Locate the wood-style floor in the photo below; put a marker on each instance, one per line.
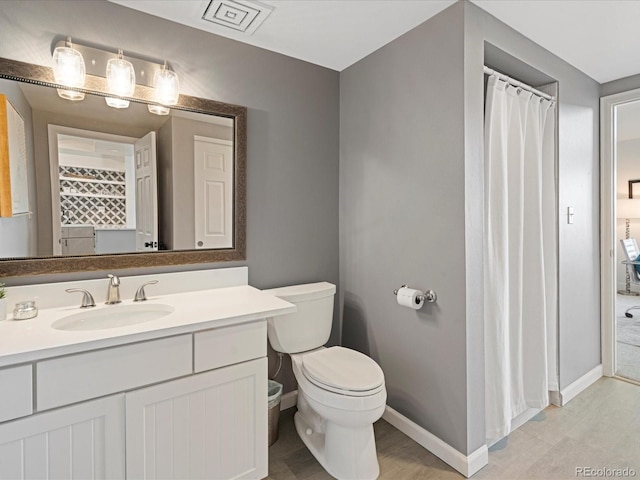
(598, 429)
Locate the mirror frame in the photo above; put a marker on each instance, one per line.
(15, 267)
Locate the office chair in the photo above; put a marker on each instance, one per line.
(632, 252)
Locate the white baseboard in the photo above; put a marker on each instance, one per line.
(289, 400)
(465, 464)
(581, 384)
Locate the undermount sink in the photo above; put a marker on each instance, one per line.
(112, 317)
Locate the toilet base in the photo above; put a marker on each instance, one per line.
(345, 453)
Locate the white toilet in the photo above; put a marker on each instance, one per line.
(341, 392)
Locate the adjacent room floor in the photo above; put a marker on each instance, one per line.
(628, 338)
(598, 429)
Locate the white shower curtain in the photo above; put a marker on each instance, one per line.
(519, 254)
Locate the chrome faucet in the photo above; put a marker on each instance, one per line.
(141, 296)
(87, 298)
(113, 292)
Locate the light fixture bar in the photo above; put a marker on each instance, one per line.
(95, 61)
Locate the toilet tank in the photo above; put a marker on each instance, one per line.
(310, 326)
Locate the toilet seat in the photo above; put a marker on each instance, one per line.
(344, 371)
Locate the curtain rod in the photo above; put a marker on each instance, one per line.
(516, 83)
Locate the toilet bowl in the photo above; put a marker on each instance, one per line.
(341, 392)
(335, 419)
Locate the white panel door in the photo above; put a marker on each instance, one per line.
(146, 194)
(209, 426)
(85, 441)
(213, 185)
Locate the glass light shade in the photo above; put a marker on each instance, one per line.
(165, 83)
(70, 95)
(158, 109)
(69, 70)
(116, 102)
(121, 77)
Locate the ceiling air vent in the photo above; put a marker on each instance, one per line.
(241, 15)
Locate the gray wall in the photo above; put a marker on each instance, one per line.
(578, 184)
(621, 85)
(18, 235)
(411, 212)
(292, 123)
(402, 219)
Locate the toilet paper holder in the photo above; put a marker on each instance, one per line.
(428, 296)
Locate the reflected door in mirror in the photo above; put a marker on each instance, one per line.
(146, 194)
(213, 172)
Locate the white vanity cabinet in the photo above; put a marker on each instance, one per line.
(190, 406)
(77, 442)
(16, 392)
(208, 426)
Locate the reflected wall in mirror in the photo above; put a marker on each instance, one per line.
(106, 181)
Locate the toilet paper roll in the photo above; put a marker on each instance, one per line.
(409, 297)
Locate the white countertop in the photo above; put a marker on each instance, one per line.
(28, 340)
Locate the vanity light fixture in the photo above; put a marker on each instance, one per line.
(158, 109)
(121, 80)
(166, 90)
(121, 73)
(69, 70)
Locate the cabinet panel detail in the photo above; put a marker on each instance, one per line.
(208, 426)
(229, 345)
(71, 379)
(85, 441)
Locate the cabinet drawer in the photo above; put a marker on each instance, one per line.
(228, 345)
(16, 387)
(71, 379)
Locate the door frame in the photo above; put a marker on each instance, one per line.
(54, 164)
(150, 142)
(608, 174)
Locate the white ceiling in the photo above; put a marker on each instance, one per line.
(330, 33)
(599, 37)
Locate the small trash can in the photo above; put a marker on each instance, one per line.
(275, 394)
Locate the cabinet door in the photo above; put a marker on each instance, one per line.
(208, 426)
(78, 246)
(85, 441)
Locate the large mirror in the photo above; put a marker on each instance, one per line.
(95, 187)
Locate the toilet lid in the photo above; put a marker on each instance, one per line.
(342, 369)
